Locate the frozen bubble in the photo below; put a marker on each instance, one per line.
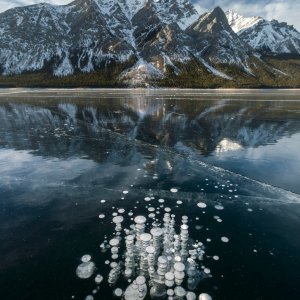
(179, 266)
(113, 265)
(162, 260)
(216, 257)
(250, 209)
(219, 207)
(89, 297)
(150, 250)
(167, 209)
(151, 209)
(184, 227)
(98, 278)
(206, 270)
(224, 239)
(147, 198)
(121, 210)
(140, 280)
(85, 270)
(156, 231)
(115, 256)
(125, 192)
(201, 205)
(102, 201)
(219, 220)
(191, 296)
(145, 237)
(140, 220)
(86, 258)
(174, 190)
(118, 292)
(179, 291)
(152, 215)
(118, 219)
(205, 296)
(198, 227)
(179, 202)
(101, 216)
(170, 292)
(114, 242)
(169, 276)
(161, 200)
(107, 262)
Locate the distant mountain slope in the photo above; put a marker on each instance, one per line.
(267, 37)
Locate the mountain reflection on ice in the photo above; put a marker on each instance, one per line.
(72, 167)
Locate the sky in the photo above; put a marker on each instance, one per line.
(281, 10)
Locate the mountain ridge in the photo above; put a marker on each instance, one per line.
(134, 41)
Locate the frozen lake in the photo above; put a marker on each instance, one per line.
(72, 160)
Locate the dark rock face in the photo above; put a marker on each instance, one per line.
(217, 42)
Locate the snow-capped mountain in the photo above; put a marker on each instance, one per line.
(267, 37)
(148, 37)
(219, 44)
(240, 23)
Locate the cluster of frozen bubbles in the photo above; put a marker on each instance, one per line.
(160, 263)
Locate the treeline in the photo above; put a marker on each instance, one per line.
(191, 75)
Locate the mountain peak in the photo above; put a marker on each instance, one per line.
(214, 22)
(240, 23)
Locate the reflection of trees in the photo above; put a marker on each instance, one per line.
(107, 128)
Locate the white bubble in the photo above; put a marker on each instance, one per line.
(201, 205)
(98, 278)
(86, 258)
(85, 270)
(118, 292)
(125, 192)
(216, 257)
(174, 190)
(101, 216)
(179, 202)
(89, 297)
(161, 200)
(102, 201)
(121, 210)
(206, 270)
(205, 296)
(224, 239)
(219, 207)
(147, 198)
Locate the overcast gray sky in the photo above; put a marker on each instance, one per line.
(284, 11)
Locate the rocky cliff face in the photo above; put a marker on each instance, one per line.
(154, 36)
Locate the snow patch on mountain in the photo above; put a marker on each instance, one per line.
(140, 73)
(240, 23)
